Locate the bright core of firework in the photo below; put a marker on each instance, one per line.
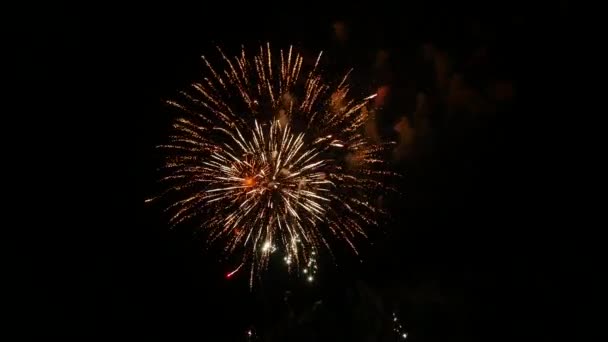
(268, 156)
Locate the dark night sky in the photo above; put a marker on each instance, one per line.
(465, 256)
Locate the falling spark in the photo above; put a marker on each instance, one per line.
(398, 327)
(230, 274)
(262, 158)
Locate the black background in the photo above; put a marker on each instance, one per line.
(467, 255)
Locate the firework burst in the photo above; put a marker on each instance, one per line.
(268, 156)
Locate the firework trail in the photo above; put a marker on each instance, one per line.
(266, 155)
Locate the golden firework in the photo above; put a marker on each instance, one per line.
(269, 156)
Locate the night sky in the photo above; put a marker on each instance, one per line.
(464, 256)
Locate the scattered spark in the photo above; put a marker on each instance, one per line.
(268, 247)
(261, 156)
(287, 259)
(398, 328)
(230, 274)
